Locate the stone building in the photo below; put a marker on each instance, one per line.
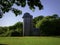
(28, 29)
(27, 24)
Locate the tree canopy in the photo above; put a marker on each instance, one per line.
(14, 30)
(49, 25)
(6, 5)
(36, 19)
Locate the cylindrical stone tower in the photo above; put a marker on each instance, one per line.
(27, 24)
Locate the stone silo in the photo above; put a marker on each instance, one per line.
(27, 24)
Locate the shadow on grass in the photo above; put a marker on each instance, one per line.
(57, 36)
(51, 36)
(3, 44)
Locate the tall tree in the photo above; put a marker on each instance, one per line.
(6, 5)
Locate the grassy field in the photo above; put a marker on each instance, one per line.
(30, 40)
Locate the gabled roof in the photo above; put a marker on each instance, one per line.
(27, 15)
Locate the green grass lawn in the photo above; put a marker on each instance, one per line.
(30, 40)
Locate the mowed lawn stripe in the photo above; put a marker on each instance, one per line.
(30, 40)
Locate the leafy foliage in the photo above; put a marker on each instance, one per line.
(36, 19)
(11, 30)
(6, 5)
(49, 25)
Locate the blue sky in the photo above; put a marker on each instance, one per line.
(50, 7)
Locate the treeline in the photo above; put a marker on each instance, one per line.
(15, 30)
(48, 26)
